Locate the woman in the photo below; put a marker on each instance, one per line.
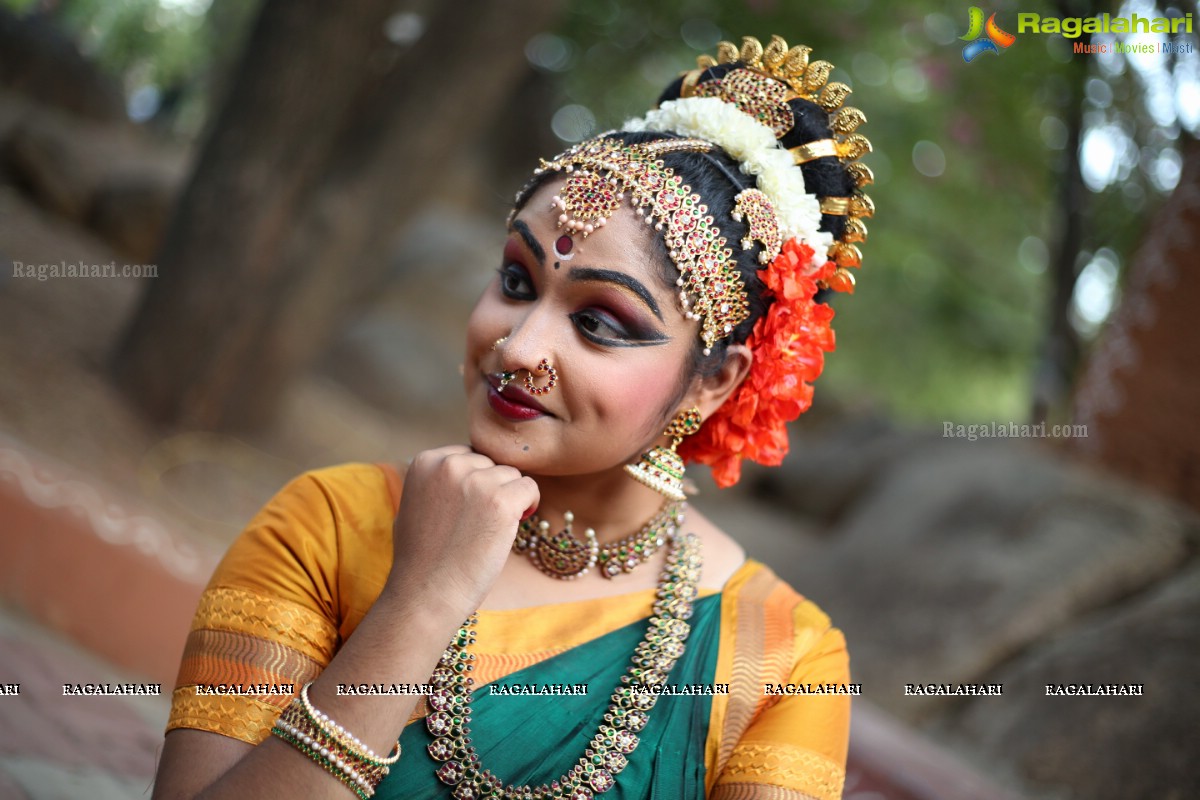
(654, 304)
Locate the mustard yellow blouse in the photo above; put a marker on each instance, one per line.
(308, 567)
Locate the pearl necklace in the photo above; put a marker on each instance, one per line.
(628, 712)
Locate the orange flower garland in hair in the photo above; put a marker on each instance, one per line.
(789, 343)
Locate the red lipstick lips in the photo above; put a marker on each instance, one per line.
(513, 403)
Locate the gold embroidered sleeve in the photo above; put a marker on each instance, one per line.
(778, 770)
(756, 791)
(268, 621)
(796, 745)
(241, 642)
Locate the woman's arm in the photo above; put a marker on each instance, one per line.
(393, 640)
(457, 520)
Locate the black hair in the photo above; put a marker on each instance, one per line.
(717, 178)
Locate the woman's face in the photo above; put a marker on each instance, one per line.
(601, 316)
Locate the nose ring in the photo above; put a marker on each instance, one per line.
(505, 377)
(543, 366)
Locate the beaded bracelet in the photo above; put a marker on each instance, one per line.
(332, 747)
(343, 736)
(327, 759)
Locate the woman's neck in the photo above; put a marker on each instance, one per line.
(611, 503)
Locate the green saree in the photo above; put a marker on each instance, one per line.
(535, 739)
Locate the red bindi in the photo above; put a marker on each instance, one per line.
(563, 245)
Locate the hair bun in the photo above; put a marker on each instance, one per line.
(787, 91)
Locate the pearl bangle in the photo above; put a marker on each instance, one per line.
(349, 740)
(331, 746)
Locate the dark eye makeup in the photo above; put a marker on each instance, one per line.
(595, 322)
(515, 282)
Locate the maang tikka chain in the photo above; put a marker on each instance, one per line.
(603, 173)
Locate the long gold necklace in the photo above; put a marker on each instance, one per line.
(563, 556)
(628, 712)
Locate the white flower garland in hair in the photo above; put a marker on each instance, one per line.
(753, 145)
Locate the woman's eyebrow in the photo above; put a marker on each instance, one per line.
(621, 279)
(530, 240)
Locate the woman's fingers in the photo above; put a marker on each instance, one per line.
(457, 520)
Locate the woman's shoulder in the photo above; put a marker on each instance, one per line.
(322, 542)
(359, 483)
(723, 556)
(344, 505)
(750, 581)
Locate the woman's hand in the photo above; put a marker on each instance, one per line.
(458, 517)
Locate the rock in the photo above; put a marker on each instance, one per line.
(131, 211)
(1104, 748)
(965, 553)
(40, 158)
(832, 463)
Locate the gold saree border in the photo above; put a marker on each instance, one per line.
(555, 627)
(244, 638)
(289, 624)
(243, 718)
(784, 766)
(757, 791)
(738, 660)
(213, 657)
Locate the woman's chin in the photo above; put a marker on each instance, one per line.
(504, 446)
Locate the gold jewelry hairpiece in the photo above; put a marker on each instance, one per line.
(771, 76)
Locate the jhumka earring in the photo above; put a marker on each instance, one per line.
(661, 468)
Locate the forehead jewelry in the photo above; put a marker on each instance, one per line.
(543, 366)
(603, 173)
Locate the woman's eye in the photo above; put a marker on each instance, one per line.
(598, 327)
(515, 283)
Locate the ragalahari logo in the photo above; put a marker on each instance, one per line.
(983, 38)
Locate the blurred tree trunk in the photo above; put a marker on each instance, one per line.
(1059, 351)
(330, 135)
(1140, 392)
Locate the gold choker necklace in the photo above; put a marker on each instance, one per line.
(563, 556)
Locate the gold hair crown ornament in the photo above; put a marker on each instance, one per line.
(602, 173)
(771, 76)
